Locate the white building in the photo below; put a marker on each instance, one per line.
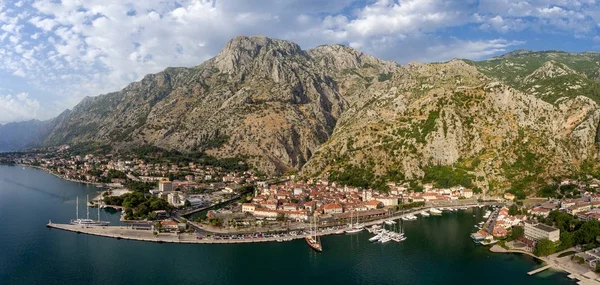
(175, 200)
(537, 231)
(247, 207)
(165, 186)
(388, 201)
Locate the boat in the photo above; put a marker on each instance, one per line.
(376, 237)
(425, 214)
(488, 242)
(87, 221)
(313, 240)
(384, 239)
(435, 211)
(390, 222)
(487, 214)
(409, 217)
(398, 238)
(374, 229)
(338, 232)
(354, 228)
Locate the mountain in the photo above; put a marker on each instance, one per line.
(26, 134)
(449, 121)
(264, 99)
(509, 122)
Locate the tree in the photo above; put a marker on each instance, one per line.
(187, 204)
(215, 222)
(513, 210)
(566, 240)
(517, 232)
(544, 247)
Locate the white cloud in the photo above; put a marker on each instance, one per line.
(76, 48)
(18, 107)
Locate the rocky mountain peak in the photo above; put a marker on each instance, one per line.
(340, 57)
(549, 69)
(242, 50)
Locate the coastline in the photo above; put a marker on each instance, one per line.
(553, 262)
(122, 232)
(99, 185)
(498, 249)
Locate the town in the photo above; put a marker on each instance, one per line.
(239, 204)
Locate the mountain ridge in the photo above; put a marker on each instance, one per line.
(332, 109)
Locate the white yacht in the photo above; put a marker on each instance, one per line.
(87, 221)
(425, 214)
(487, 214)
(435, 211)
(376, 237)
(390, 222)
(384, 239)
(354, 228)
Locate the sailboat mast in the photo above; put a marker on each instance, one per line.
(77, 209)
(87, 207)
(315, 229)
(98, 212)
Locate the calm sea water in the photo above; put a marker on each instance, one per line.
(438, 250)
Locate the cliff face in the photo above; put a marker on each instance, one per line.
(451, 114)
(506, 119)
(261, 98)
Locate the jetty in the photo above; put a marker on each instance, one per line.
(148, 235)
(535, 271)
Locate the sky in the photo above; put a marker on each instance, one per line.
(53, 53)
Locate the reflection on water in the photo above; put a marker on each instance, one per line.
(438, 250)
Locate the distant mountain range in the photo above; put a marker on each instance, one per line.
(333, 110)
(27, 134)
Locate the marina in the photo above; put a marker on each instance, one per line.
(371, 262)
(310, 235)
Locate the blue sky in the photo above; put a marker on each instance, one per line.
(53, 53)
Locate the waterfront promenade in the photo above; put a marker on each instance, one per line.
(582, 274)
(128, 233)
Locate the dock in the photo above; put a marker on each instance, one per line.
(147, 235)
(535, 271)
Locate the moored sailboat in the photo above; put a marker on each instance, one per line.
(354, 228)
(87, 221)
(313, 240)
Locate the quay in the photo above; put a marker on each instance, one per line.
(145, 234)
(131, 233)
